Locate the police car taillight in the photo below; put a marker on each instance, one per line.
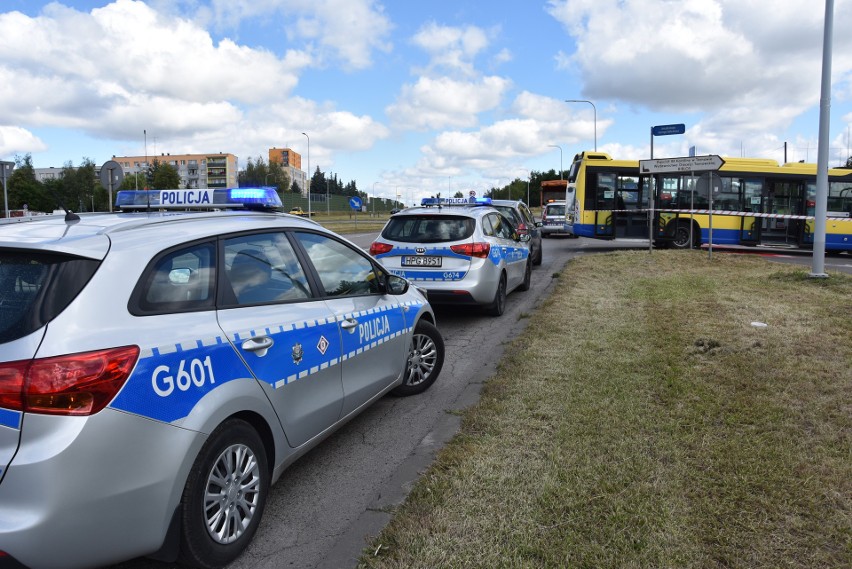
(380, 248)
(480, 250)
(203, 198)
(76, 384)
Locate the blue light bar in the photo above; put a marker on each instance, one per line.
(455, 201)
(205, 198)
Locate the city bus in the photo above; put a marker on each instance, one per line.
(753, 202)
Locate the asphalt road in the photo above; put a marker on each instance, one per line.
(322, 509)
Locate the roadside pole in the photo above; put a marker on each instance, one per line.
(659, 130)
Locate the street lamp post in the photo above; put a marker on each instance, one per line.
(4, 168)
(560, 157)
(595, 115)
(309, 174)
(374, 198)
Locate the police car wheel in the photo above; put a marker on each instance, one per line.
(498, 305)
(527, 277)
(425, 360)
(224, 497)
(539, 255)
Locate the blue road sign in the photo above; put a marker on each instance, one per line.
(355, 203)
(666, 129)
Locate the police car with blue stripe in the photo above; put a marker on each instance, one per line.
(160, 368)
(462, 251)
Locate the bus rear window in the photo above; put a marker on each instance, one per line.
(35, 287)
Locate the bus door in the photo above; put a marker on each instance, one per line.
(631, 209)
(782, 197)
(752, 202)
(604, 197)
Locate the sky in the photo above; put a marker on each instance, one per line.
(409, 99)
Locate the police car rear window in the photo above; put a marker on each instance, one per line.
(556, 210)
(35, 287)
(428, 229)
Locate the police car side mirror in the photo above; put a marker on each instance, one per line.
(396, 285)
(524, 237)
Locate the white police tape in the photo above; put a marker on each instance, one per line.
(722, 212)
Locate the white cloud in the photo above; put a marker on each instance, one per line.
(751, 67)
(452, 48)
(348, 30)
(16, 140)
(434, 103)
(497, 150)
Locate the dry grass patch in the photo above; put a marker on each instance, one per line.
(642, 421)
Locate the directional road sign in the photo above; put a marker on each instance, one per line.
(355, 203)
(707, 163)
(666, 129)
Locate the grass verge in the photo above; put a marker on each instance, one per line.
(642, 421)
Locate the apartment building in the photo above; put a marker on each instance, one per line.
(291, 161)
(195, 170)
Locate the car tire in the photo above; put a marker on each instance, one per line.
(498, 305)
(231, 471)
(539, 255)
(424, 360)
(525, 285)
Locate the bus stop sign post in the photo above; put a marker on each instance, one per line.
(659, 130)
(710, 163)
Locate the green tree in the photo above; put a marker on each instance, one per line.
(133, 181)
(24, 189)
(279, 177)
(163, 176)
(78, 185)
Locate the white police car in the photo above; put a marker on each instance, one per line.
(160, 369)
(462, 251)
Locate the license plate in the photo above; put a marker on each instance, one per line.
(421, 261)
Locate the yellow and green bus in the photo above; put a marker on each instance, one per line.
(753, 202)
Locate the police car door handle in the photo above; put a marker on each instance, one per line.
(259, 345)
(349, 324)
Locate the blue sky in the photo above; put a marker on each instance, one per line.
(414, 98)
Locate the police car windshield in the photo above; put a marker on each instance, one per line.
(428, 228)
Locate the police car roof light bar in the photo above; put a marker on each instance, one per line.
(202, 198)
(454, 201)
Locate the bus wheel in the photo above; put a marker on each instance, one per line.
(680, 236)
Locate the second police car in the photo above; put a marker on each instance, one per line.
(462, 251)
(159, 370)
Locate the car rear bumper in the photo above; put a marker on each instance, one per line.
(91, 508)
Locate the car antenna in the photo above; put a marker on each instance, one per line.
(70, 216)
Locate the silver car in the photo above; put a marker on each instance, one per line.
(553, 218)
(159, 370)
(461, 252)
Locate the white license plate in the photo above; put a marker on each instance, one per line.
(421, 261)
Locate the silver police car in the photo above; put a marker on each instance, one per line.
(462, 251)
(159, 370)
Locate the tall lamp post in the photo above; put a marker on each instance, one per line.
(374, 198)
(6, 167)
(309, 174)
(595, 115)
(560, 157)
